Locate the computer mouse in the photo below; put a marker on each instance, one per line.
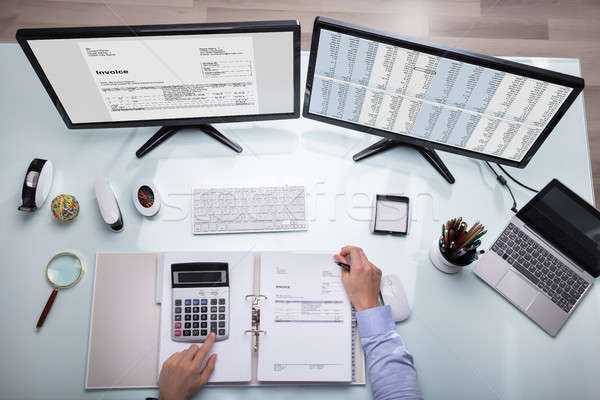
(392, 293)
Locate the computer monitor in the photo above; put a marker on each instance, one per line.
(432, 97)
(169, 75)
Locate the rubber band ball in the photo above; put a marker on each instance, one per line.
(65, 207)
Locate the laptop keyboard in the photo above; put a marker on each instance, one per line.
(544, 270)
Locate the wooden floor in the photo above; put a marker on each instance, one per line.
(553, 28)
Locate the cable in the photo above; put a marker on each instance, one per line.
(503, 182)
(516, 181)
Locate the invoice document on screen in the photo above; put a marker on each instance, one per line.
(307, 318)
(164, 78)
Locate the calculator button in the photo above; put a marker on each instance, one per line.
(221, 301)
(203, 324)
(221, 324)
(186, 333)
(188, 302)
(196, 309)
(177, 310)
(188, 309)
(188, 325)
(178, 318)
(195, 317)
(188, 317)
(221, 317)
(196, 302)
(203, 302)
(222, 332)
(195, 332)
(177, 325)
(203, 332)
(195, 325)
(213, 317)
(221, 308)
(213, 302)
(213, 309)
(178, 302)
(177, 333)
(202, 317)
(203, 309)
(213, 326)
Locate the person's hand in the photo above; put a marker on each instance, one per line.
(362, 281)
(182, 374)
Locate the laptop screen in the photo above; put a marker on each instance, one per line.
(568, 222)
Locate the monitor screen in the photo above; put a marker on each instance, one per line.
(393, 88)
(568, 222)
(171, 76)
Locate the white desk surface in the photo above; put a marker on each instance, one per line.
(468, 342)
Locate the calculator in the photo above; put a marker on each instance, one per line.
(200, 301)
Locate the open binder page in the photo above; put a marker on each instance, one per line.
(235, 352)
(307, 318)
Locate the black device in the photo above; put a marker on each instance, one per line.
(391, 215)
(427, 96)
(177, 76)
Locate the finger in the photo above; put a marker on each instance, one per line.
(208, 369)
(340, 258)
(363, 256)
(190, 352)
(353, 252)
(204, 350)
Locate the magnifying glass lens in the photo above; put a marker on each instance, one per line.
(64, 270)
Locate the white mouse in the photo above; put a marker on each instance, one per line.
(392, 293)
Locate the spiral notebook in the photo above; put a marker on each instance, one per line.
(290, 321)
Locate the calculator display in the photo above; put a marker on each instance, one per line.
(200, 277)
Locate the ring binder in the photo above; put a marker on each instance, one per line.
(255, 330)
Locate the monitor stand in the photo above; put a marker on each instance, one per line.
(167, 131)
(429, 154)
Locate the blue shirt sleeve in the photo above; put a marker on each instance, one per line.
(390, 367)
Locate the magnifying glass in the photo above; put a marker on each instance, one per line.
(63, 271)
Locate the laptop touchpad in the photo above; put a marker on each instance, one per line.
(519, 291)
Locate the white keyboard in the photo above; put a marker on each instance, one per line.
(251, 209)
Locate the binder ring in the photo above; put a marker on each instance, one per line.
(256, 296)
(255, 332)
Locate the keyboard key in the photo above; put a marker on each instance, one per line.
(188, 325)
(204, 302)
(221, 324)
(188, 309)
(195, 332)
(195, 325)
(221, 308)
(222, 332)
(213, 317)
(188, 317)
(221, 301)
(178, 318)
(178, 302)
(177, 333)
(203, 325)
(177, 325)
(221, 317)
(213, 326)
(188, 302)
(203, 332)
(196, 309)
(196, 302)
(186, 332)
(202, 317)
(203, 309)
(195, 317)
(213, 309)
(213, 302)
(177, 310)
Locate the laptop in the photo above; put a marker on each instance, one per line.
(546, 259)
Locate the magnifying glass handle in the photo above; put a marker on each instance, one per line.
(47, 309)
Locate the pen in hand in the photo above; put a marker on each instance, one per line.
(347, 268)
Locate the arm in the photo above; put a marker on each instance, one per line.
(390, 366)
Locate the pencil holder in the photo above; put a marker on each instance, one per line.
(440, 262)
(457, 246)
